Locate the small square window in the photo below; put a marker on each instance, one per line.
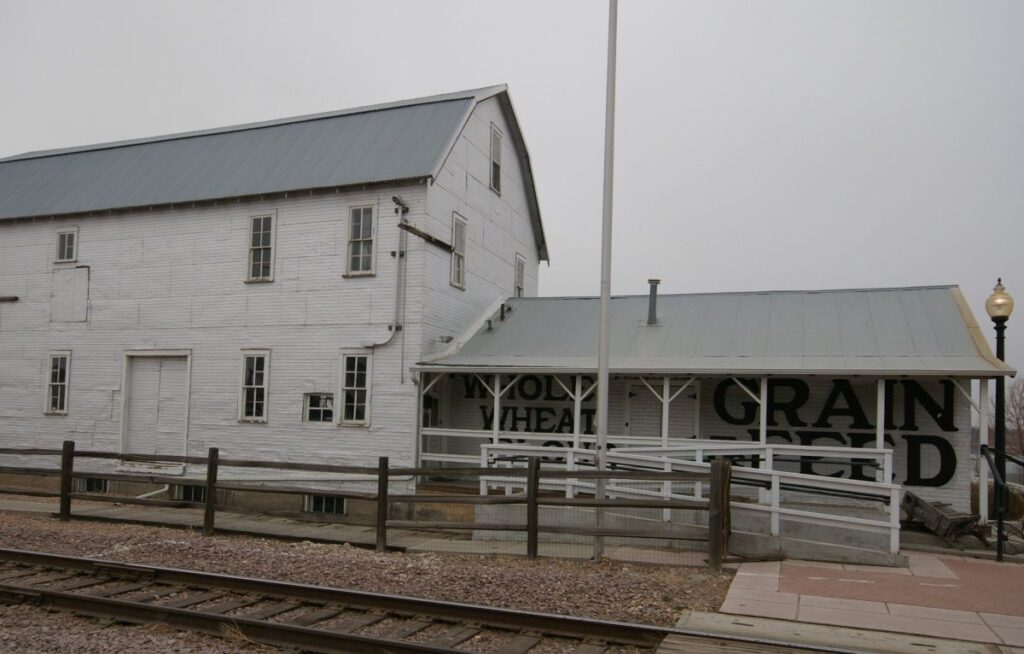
(325, 504)
(191, 493)
(67, 244)
(91, 485)
(319, 407)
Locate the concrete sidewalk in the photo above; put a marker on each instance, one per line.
(940, 596)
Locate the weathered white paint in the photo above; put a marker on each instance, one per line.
(173, 279)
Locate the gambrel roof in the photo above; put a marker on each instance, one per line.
(395, 142)
(881, 331)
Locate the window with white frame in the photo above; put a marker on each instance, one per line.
(355, 389)
(360, 241)
(319, 407)
(255, 374)
(261, 248)
(58, 368)
(458, 251)
(519, 285)
(495, 159)
(67, 245)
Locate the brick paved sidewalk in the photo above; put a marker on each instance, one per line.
(937, 595)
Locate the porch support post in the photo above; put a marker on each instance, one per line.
(496, 422)
(577, 412)
(983, 385)
(418, 447)
(766, 463)
(763, 426)
(880, 426)
(666, 486)
(665, 400)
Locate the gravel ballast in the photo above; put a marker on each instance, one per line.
(605, 590)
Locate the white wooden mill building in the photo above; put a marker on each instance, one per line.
(261, 288)
(355, 284)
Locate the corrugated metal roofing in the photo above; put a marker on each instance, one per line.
(921, 331)
(393, 143)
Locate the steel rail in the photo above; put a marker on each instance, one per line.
(321, 640)
(271, 633)
(554, 625)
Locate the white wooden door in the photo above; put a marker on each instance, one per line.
(157, 405)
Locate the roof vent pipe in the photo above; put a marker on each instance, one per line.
(652, 305)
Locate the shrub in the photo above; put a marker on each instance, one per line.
(1015, 508)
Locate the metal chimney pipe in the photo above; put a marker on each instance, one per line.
(652, 305)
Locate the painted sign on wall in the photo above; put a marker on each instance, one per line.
(926, 422)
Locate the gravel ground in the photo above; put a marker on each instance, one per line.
(26, 629)
(606, 590)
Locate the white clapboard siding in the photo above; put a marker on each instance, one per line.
(175, 279)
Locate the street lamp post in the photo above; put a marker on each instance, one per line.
(999, 307)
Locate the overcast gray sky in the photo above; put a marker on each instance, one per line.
(760, 145)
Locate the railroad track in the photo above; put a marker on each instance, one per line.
(323, 619)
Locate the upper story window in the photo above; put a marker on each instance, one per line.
(458, 251)
(255, 375)
(360, 241)
(261, 248)
(67, 245)
(519, 285)
(355, 389)
(57, 383)
(495, 159)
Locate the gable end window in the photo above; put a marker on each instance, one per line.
(255, 376)
(67, 246)
(495, 159)
(58, 369)
(355, 389)
(360, 241)
(519, 285)
(261, 248)
(458, 251)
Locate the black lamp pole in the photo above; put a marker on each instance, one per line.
(1001, 494)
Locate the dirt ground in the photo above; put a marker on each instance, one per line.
(605, 590)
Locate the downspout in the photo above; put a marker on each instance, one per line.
(401, 208)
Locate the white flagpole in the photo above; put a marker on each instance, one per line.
(606, 269)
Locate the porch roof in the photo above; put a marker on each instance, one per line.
(925, 331)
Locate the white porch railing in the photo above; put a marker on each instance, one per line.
(693, 455)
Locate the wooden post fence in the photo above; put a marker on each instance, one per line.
(382, 503)
(211, 491)
(67, 466)
(718, 513)
(532, 523)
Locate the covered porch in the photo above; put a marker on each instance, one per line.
(827, 414)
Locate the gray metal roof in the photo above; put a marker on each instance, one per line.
(398, 141)
(920, 331)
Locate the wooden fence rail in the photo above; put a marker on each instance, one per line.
(716, 505)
